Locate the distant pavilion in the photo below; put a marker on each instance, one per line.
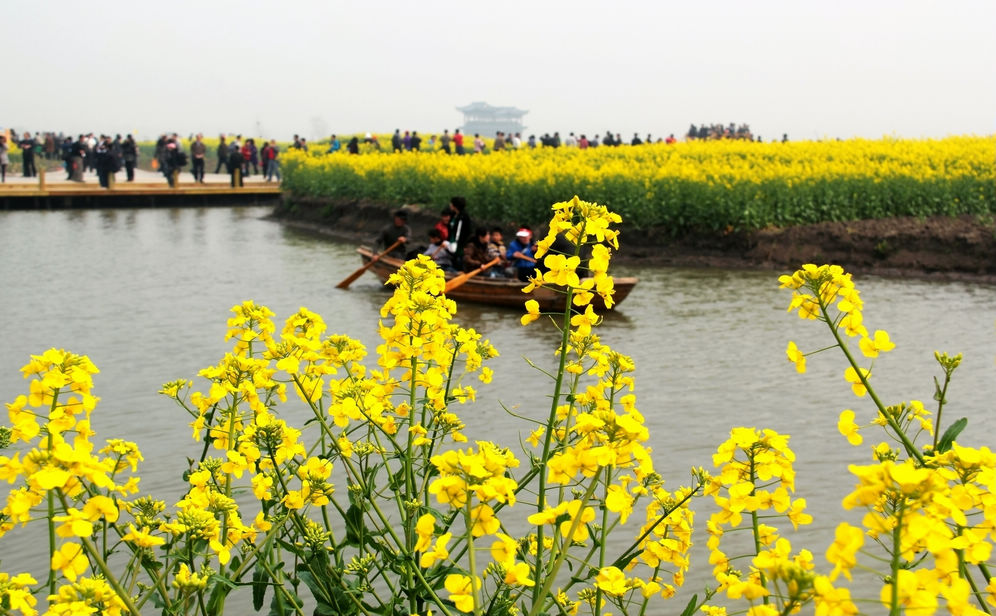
(487, 120)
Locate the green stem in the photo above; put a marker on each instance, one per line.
(548, 437)
(602, 541)
(551, 575)
(755, 525)
(408, 516)
(109, 576)
(940, 408)
(279, 586)
(471, 557)
(893, 423)
(894, 563)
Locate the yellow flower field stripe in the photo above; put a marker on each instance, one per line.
(697, 186)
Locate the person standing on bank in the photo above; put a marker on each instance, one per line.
(198, 150)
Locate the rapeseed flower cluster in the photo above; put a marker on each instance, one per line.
(930, 509)
(826, 293)
(58, 470)
(754, 487)
(594, 443)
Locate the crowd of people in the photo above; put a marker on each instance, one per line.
(715, 132)
(241, 158)
(458, 143)
(101, 155)
(456, 245)
(105, 156)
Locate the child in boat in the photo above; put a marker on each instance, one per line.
(496, 248)
(444, 222)
(440, 251)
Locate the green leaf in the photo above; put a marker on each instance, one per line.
(221, 587)
(259, 579)
(690, 608)
(354, 525)
(280, 607)
(341, 604)
(951, 434)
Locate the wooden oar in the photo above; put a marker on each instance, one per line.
(456, 281)
(349, 280)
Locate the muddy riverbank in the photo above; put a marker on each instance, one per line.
(943, 248)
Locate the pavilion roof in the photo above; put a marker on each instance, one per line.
(482, 108)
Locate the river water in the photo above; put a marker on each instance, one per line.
(146, 293)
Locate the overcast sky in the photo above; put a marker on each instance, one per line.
(812, 69)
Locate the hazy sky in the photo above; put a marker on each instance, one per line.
(812, 69)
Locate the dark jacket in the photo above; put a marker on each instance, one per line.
(461, 230)
(234, 160)
(475, 255)
(390, 234)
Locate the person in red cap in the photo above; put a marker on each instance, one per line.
(521, 253)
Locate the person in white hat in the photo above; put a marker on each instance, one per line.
(521, 252)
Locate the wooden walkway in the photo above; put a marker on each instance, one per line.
(52, 190)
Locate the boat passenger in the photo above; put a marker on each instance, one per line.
(397, 230)
(521, 253)
(444, 222)
(440, 251)
(460, 227)
(475, 253)
(496, 248)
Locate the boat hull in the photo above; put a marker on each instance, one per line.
(498, 291)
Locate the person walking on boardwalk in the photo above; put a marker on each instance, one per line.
(271, 161)
(129, 152)
(173, 159)
(106, 164)
(77, 157)
(198, 150)
(4, 158)
(222, 152)
(235, 165)
(27, 145)
(251, 156)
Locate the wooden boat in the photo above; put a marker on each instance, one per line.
(498, 291)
